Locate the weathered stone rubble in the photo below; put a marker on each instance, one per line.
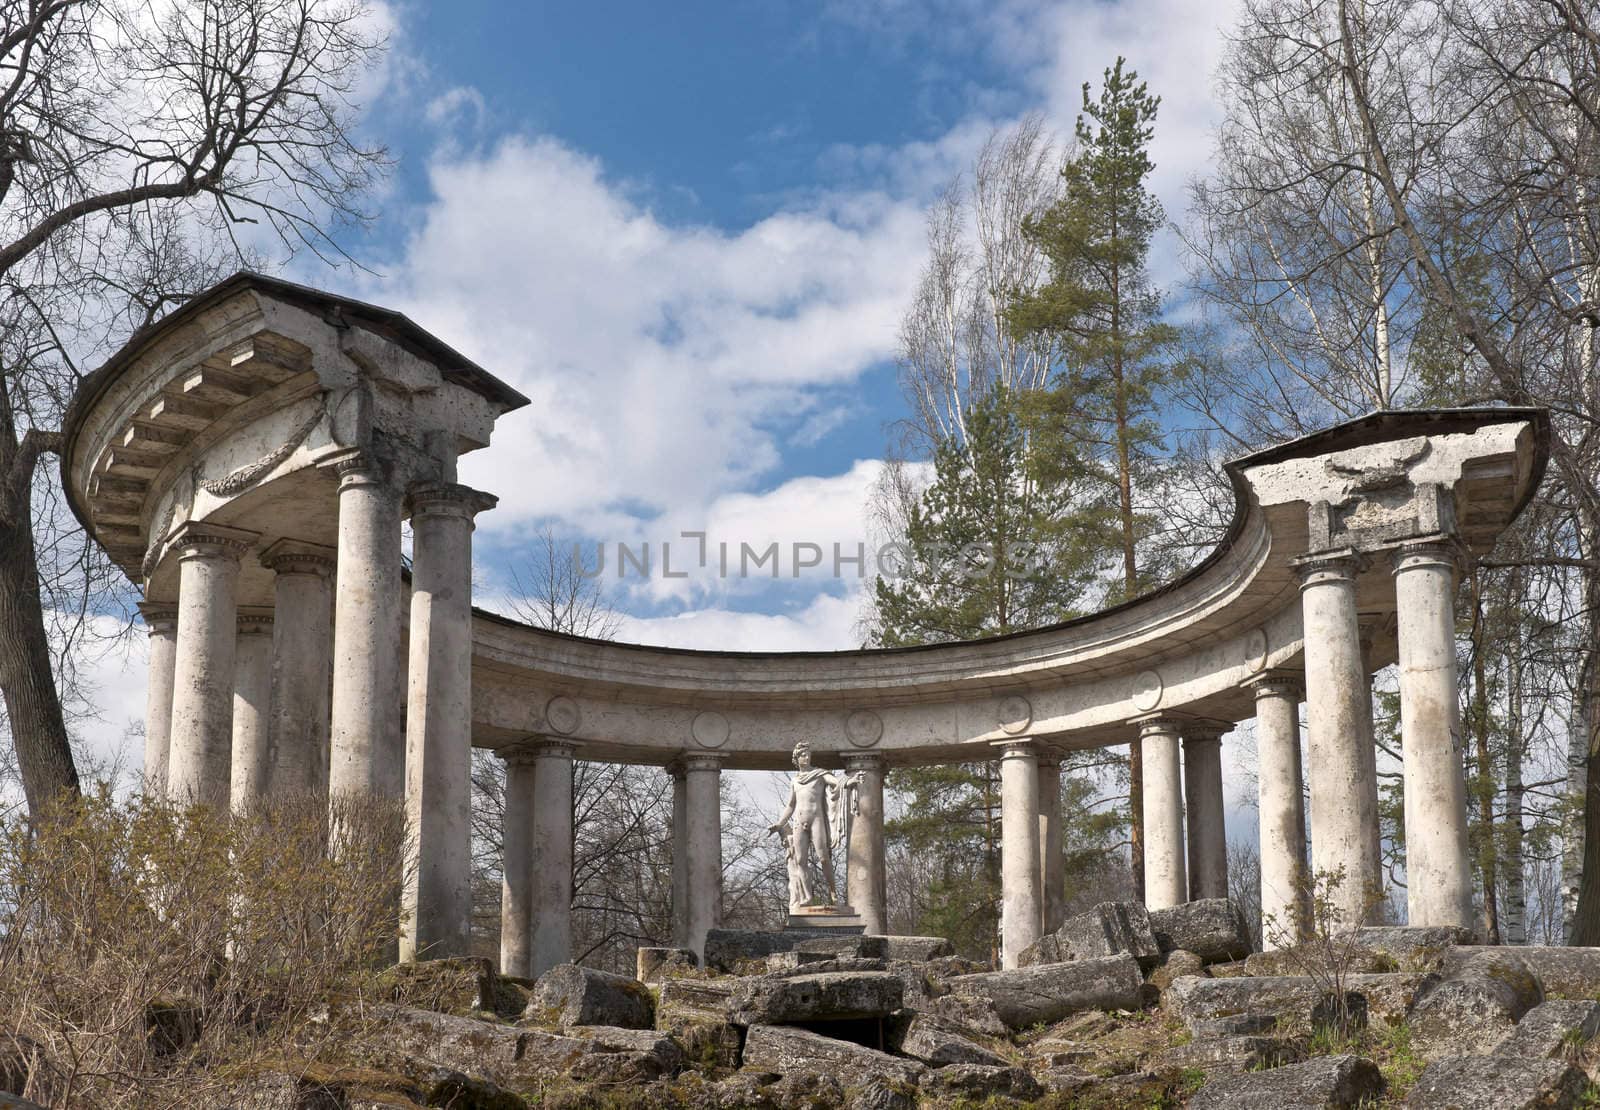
(862, 1023)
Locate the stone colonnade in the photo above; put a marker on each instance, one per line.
(306, 696)
(247, 704)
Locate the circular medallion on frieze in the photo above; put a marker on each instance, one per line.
(863, 728)
(1255, 649)
(1015, 714)
(710, 729)
(561, 715)
(1146, 692)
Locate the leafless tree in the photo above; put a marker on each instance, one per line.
(1304, 264)
(144, 150)
(1446, 152)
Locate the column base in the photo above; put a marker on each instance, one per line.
(835, 919)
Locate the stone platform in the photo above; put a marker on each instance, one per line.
(841, 920)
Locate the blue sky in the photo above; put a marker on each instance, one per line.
(688, 233)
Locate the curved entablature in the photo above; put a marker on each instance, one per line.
(1191, 648)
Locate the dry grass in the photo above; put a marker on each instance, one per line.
(150, 951)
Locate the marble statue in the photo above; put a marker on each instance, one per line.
(818, 810)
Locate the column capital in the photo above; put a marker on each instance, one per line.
(546, 748)
(447, 499)
(1023, 747)
(1427, 551)
(254, 618)
(1158, 724)
(1321, 567)
(287, 556)
(1278, 683)
(1205, 728)
(199, 539)
(519, 752)
(699, 762)
(864, 761)
(159, 616)
(358, 466)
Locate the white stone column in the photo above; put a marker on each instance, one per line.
(517, 862)
(552, 856)
(367, 750)
(703, 815)
(162, 621)
(866, 872)
(252, 693)
(1344, 790)
(1052, 850)
(680, 855)
(438, 795)
(1438, 863)
(1285, 895)
(1207, 822)
(302, 661)
(201, 750)
(1020, 916)
(1165, 874)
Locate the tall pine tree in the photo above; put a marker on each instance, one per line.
(1103, 314)
(989, 549)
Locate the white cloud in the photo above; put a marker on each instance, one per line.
(828, 623)
(671, 365)
(663, 362)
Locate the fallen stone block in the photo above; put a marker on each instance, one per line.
(697, 999)
(1474, 1007)
(783, 1049)
(948, 967)
(1211, 928)
(878, 1093)
(1562, 972)
(727, 949)
(1553, 1030)
(1233, 1025)
(1174, 965)
(1335, 1082)
(1291, 999)
(843, 996)
(815, 963)
(1234, 1053)
(1110, 929)
(1049, 992)
(404, 1040)
(974, 1014)
(1497, 1083)
(917, 949)
(452, 986)
(850, 946)
(569, 995)
(1053, 1052)
(1045, 950)
(655, 964)
(1412, 947)
(1371, 949)
(938, 1042)
(919, 989)
(984, 1081)
(696, 1013)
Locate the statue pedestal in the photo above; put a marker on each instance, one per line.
(837, 919)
